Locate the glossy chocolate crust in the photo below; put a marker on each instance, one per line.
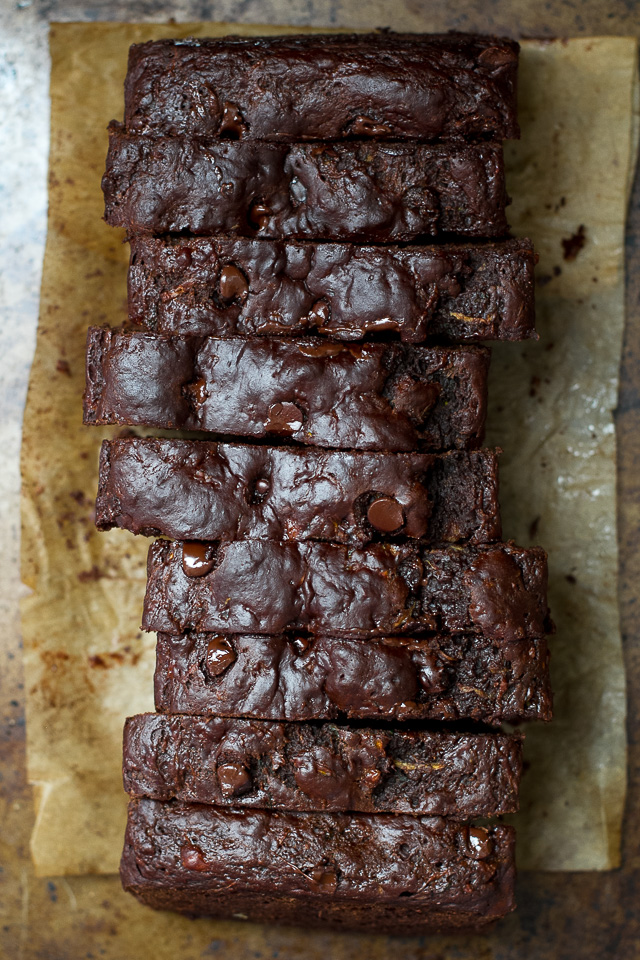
(382, 873)
(373, 396)
(330, 678)
(371, 191)
(227, 287)
(306, 767)
(378, 84)
(249, 586)
(199, 490)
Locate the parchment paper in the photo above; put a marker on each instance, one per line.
(87, 665)
(551, 410)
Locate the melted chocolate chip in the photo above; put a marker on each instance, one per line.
(198, 391)
(406, 708)
(301, 644)
(449, 286)
(259, 213)
(183, 257)
(415, 398)
(385, 514)
(383, 323)
(326, 880)
(495, 56)
(500, 604)
(322, 776)
(324, 150)
(320, 313)
(404, 851)
(284, 418)
(197, 559)
(377, 677)
(433, 675)
(298, 191)
(192, 858)
(232, 125)
(234, 779)
(371, 776)
(232, 285)
(364, 126)
(320, 349)
(219, 657)
(479, 843)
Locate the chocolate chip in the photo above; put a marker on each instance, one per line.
(197, 558)
(234, 779)
(260, 489)
(364, 126)
(198, 391)
(284, 418)
(192, 858)
(232, 125)
(219, 657)
(385, 514)
(320, 349)
(259, 213)
(320, 314)
(414, 397)
(232, 284)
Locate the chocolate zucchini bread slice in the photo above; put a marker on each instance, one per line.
(199, 490)
(266, 586)
(392, 873)
(409, 86)
(374, 396)
(309, 767)
(331, 678)
(233, 286)
(352, 190)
